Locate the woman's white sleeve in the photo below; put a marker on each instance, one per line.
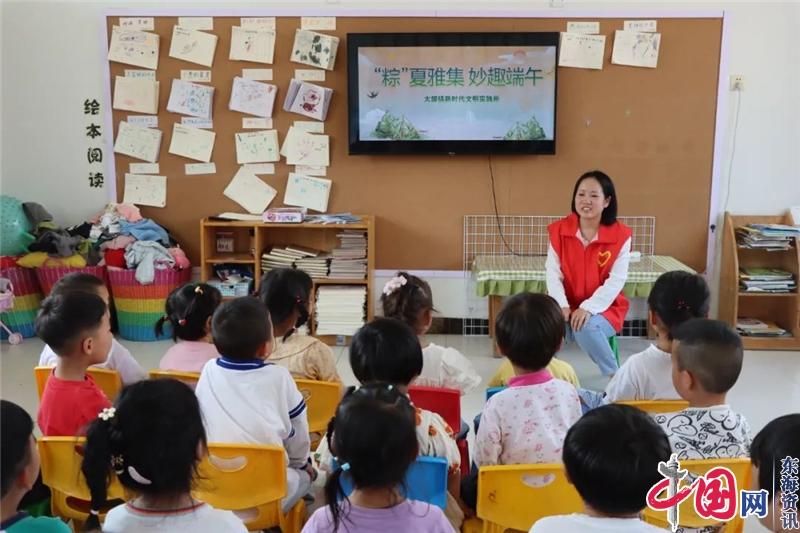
(606, 293)
(554, 278)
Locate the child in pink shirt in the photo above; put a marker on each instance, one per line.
(189, 310)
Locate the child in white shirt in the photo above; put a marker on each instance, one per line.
(676, 297)
(246, 399)
(119, 358)
(706, 362)
(611, 456)
(409, 299)
(526, 422)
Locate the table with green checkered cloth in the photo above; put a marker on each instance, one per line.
(504, 275)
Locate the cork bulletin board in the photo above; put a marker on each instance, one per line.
(651, 130)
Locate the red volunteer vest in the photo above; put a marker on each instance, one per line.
(586, 269)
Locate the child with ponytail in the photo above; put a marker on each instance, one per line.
(153, 439)
(286, 292)
(189, 309)
(373, 437)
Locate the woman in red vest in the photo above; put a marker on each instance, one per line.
(587, 266)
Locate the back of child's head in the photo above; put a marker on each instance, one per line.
(386, 350)
(188, 309)
(240, 328)
(151, 439)
(678, 296)
(78, 281)
(66, 318)
(373, 438)
(779, 439)
(16, 428)
(711, 351)
(530, 329)
(407, 298)
(284, 291)
(611, 455)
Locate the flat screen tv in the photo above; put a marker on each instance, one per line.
(452, 93)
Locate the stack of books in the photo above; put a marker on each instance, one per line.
(753, 327)
(770, 280)
(340, 309)
(773, 237)
(349, 261)
(313, 262)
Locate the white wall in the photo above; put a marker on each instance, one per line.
(51, 62)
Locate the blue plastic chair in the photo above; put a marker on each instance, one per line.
(426, 481)
(491, 391)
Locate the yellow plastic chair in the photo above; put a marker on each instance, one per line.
(249, 480)
(61, 471)
(322, 398)
(108, 380)
(654, 407)
(688, 517)
(190, 378)
(516, 496)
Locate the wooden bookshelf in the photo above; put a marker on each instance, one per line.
(251, 239)
(782, 308)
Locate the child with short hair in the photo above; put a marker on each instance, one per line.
(19, 470)
(611, 456)
(409, 299)
(374, 439)
(706, 362)
(153, 439)
(119, 358)
(286, 292)
(676, 297)
(245, 398)
(189, 309)
(526, 423)
(387, 350)
(77, 327)
(775, 446)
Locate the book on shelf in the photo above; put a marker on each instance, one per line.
(754, 327)
(766, 280)
(340, 310)
(771, 237)
(312, 262)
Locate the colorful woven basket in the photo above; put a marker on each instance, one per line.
(27, 297)
(140, 306)
(48, 276)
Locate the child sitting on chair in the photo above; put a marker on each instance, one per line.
(153, 440)
(611, 456)
(409, 299)
(706, 362)
(189, 310)
(375, 442)
(286, 293)
(118, 357)
(388, 351)
(77, 327)
(526, 423)
(776, 448)
(19, 470)
(246, 399)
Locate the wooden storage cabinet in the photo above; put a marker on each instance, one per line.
(782, 308)
(251, 239)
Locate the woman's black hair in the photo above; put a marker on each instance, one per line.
(386, 350)
(679, 296)
(284, 291)
(373, 436)
(408, 302)
(153, 435)
(188, 309)
(16, 428)
(609, 215)
(779, 439)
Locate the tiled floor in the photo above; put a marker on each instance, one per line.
(768, 387)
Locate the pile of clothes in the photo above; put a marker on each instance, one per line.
(117, 237)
